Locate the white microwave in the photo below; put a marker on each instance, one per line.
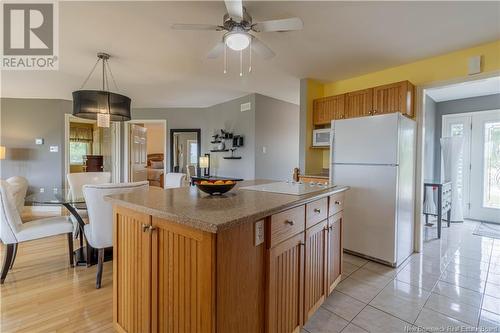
(321, 137)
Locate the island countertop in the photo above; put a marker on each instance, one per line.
(188, 206)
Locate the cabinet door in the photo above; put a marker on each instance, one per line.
(321, 113)
(328, 108)
(359, 103)
(131, 272)
(334, 251)
(315, 268)
(285, 286)
(395, 97)
(183, 284)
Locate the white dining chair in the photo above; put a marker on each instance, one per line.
(99, 231)
(174, 180)
(13, 231)
(78, 179)
(19, 186)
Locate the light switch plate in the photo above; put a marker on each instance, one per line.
(39, 141)
(54, 149)
(259, 232)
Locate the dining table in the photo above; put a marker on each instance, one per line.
(61, 196)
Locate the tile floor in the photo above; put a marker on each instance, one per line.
(452, 286)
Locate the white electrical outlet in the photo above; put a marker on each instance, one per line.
(264, 150)
(39, 141)
(259, 232)
(54, 149)
(42, 190)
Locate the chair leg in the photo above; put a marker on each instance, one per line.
(9, 253)
(100, 261)
(70, 250)
(13, 256)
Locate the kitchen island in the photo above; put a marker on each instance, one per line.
(247, 261)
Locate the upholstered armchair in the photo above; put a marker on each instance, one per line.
(13, 231)
(99, 231)
(174, 180)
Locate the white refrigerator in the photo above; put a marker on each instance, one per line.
(375, 156)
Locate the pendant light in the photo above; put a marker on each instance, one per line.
(101, 105)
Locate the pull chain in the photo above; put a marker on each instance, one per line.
(225, 58)
(241, 63)
(250, 58)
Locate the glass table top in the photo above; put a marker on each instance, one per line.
(54, 196)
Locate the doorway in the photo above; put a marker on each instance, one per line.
(479, 167)
(145, 151)
(185, 150)
(89, 148)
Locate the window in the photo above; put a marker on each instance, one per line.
(491, 173)
(193, 152)
(76, 152)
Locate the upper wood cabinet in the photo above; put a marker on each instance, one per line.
(328, 108)
(359, 103)
(388, 98)
(394, 97)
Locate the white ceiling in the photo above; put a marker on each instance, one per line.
(468, 89)
(160, 67)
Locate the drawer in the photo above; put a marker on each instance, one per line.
(316, 212)
(287, 224)
(336, 203)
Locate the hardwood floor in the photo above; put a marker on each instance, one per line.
(42, 293)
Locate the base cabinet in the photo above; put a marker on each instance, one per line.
(285, 286)
(334, 256)
(315, 290)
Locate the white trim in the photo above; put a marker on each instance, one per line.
(419, 109)
(126, 144)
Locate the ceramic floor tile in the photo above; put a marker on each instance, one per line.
(383, 269)
(343, 305)
(458, 293)
(433, 321)
(351, 328)
(359, 290)
(370, 277)
(493, 278)
(348, 268)
(489, 321)
(492, 290)
(376, 321)
(463, 281)
(323, 321)
(416, 277)
(354, 260)
(454, 309)
(474, 273)
(491, 304)
(398, 307)
(481, 256)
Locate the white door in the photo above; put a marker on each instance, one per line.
(485, 167)
(460, 125)
(138, 153)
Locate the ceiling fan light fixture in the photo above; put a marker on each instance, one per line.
(237, 41)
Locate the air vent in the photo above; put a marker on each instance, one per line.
(246, 106)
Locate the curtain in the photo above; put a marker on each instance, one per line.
(80, 134)
(452, 149)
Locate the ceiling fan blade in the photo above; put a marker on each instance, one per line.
(293, 23)
(262, 49)
(196, 27)
(216, 51)
(234, 9)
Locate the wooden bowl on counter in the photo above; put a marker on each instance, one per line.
(214, 188)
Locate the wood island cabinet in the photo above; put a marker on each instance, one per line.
(171, 277)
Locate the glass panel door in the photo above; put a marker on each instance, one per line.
(485, 168)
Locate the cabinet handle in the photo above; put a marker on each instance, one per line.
(317, 210)
(302, 243)
(145, 227)
(290, 222)
(151, 228)
(337, 202)
(374, 111)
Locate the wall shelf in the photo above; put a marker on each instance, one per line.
(232, 157)
(218, 151)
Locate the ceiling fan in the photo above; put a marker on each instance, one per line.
(238, 25)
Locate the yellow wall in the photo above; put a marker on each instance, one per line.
(430, 70)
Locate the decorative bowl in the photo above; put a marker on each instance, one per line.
(215, 189)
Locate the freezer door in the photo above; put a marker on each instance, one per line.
(366, 140)
(369, 225)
